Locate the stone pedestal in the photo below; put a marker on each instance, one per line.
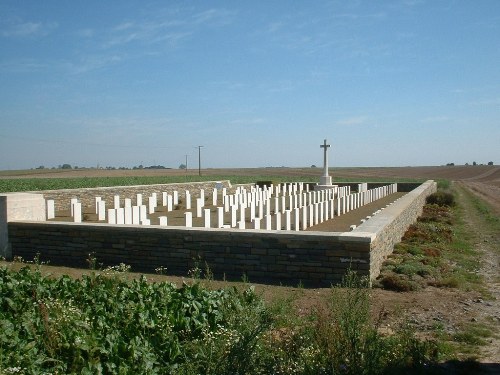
(324, 187)
(325, 181)
(18, 206)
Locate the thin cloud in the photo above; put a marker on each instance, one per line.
(352, 121)
(22, 66)
(172, 28)
(86, 33)
(486, 102)
(28, 29)
(434, 119)
(90, 63)
(249, 121)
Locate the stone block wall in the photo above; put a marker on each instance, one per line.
(313, 258)
(389, 226)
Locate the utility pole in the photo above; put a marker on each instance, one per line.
(186, 163)
(199, 160)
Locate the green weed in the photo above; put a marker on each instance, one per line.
(436, 250)
(105, 323)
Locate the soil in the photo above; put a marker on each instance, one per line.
(427, 309)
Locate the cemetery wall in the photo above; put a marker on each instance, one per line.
(313, 258)
(389, 226)
(87, 196)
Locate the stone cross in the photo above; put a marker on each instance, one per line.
(325, 179)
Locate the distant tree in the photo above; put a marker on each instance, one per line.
(182, 166)
(313, 166)
(450, 164)
(474, 163)
(155, 167)
(490, 163)
(466, 163)
(40, 167)
(66, 166)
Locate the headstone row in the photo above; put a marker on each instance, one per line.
(283, 206)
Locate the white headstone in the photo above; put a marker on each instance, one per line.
(268, 220)
(189, 219)
(242, 212)
(220, 217)
(97, 200)
(151, 205)
(207, 217)
(304, 217)
(128, 214)
(296, 224)
(169, 203)
(163, 221)
(111, 216)
(51, 213)
(278, 220)
(234, 214)
(72, 203)
(256, 223)
(143, 213)
(136, 218)
(116, 201)
(214, 197)
(101, 214)
(120, 216)
(77, 212)
(199, 206)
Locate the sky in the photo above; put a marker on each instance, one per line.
(256, 83)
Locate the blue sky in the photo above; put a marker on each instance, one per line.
(257, 83)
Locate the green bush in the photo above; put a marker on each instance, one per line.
(441, 198)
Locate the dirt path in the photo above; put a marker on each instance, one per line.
(487, 243)
(485, 191)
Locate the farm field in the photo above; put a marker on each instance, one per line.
(484, 180)
(468, 313)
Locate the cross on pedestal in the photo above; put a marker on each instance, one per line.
(325, 179)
